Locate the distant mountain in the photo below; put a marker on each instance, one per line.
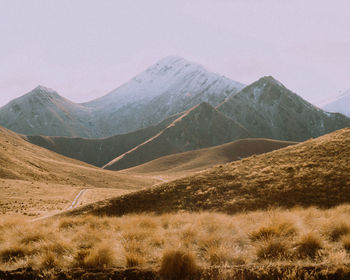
(313, 173)
(98, 151)
(200, 127)
(269, 110)
(172, 85)
(265, 108)
(43, 111)
(340, 105)
(199, 160)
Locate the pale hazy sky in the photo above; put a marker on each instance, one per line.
(85, 48)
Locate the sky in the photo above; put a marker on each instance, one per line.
(83, 49)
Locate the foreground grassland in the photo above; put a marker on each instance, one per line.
(180, 245)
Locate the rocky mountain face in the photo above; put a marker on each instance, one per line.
(44, 112)
(269, 110)
(202, 126)
(340, 105)
(171, 86)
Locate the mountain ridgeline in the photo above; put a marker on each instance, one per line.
(269, 110)
(173, 106)
(171, 86)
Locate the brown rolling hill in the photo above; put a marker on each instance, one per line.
(312, 173)
(21, 160)
(98, 151)
(35, 181)
(200, 127)
(192, 161)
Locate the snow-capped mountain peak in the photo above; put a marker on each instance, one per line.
(170, 75)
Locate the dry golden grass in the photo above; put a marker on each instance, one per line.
(35, 181)
(309, 245)
(24, 161)
(313, 173)
(181, 164)
(177, 265)
(176, 243)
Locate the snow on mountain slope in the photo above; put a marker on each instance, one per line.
(340, 105)
(171, 74)
(171, 86)
(43, 111)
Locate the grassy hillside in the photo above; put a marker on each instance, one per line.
(32, 177)
(316, 172)
(192, 161)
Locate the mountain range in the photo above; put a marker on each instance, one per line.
(269, 110)
(171, 86)
(173, 106)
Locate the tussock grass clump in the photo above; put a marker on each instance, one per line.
(284, 229)
(13, 253)
(133, 259)
(272, 250)
(338, 230)
(346, 243)
(49, 260)
(218, 255)
(177, 264)
(309, 245)
(101, 257)
(31, 238)
(70, 223)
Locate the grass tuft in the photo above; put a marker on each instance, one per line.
(133, 259)
(13, 253)
(309, 245)
(346, 243)
(177, 264)
(101, 257)
(338, 231)
(284, 229)
(272, 250)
